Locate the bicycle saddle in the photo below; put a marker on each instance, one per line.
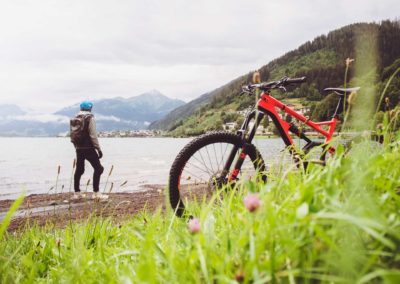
(342, 91)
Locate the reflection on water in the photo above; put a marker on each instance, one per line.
(30, 164)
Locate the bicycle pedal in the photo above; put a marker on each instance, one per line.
(306, 148)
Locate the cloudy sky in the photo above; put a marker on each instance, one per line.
(57, 52)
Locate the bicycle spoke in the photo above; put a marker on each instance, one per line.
(197, 167)
(191, 174)
(204, 163)
(222, 156)
(208, 154)
(223, 160)
(200, 162)
(216, 158)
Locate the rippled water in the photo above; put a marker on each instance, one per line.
(30, 164)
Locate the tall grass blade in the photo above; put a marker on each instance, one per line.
(7, 220)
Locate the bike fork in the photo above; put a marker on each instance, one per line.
(238, 164)
(257, 116)
(229, 162)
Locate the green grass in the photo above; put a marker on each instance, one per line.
(201, 123)
(334, 224)
(296, 102)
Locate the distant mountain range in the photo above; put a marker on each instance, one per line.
(181, 112)
(111, 114)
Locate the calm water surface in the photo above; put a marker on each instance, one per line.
(30, 164)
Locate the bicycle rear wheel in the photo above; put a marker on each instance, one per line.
(197, 171)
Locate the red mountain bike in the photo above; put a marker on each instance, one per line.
(219, 158)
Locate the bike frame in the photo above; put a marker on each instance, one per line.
(268, 105)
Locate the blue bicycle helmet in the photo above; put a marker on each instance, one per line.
(86, 105)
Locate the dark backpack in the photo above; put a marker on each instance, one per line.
(79, 128)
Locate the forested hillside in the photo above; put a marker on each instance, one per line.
(321, 60)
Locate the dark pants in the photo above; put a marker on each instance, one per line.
(93, 158)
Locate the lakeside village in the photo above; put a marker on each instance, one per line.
(228, 126)
(129, 133)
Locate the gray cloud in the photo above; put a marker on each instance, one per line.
(39, 118)
(54, 53)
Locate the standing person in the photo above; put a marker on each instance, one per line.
(84, 138)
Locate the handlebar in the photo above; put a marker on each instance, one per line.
(280, 84)
(296, 80)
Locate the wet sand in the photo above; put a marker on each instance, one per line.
(60, 209)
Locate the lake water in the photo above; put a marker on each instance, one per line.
(30, 164)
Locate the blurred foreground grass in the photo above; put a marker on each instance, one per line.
(334, 224)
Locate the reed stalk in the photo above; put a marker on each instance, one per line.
(122, 184)
(346, 112)
(383, 95)
(69, 196)
(108, 177)
(55, 188)
(111, 188)
(87, 185)
(72, 176)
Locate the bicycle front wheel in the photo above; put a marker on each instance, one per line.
(198, 170)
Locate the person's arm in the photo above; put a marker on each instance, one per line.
(93, 134)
